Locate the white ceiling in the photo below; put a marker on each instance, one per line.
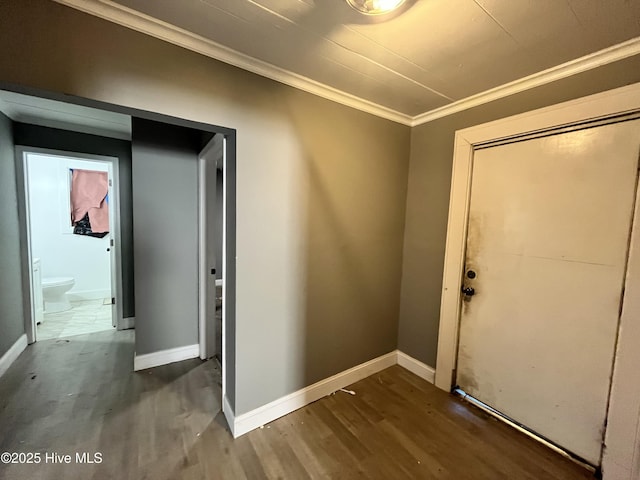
(431, 54)
(66, 116)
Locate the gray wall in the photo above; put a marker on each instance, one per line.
(11, 294)
(321, 190)
(165, 247)
(428, 196)
(52, 138)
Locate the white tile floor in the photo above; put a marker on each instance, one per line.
(87, 316)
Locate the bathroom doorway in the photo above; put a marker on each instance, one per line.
(73, 242)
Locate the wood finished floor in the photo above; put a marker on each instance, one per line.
(79, 395)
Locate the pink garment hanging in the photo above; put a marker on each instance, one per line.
(88, 191)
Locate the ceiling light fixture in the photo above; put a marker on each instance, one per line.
(375, 7)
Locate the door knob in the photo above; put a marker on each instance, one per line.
(468, 291)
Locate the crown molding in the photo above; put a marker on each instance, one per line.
(140, 22)
(564, 70)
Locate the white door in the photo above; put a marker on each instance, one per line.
(210, 157)
(549, 226)
(111, 247)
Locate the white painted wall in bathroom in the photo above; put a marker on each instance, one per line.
(61, 253)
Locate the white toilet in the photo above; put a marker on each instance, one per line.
(54, 291)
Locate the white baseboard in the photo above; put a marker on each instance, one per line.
(416, 367)
(12, 354)
(127, 323)
(229, 415)
(267, 413)
(164, 357)
(88, 295)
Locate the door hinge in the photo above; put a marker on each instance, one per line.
(111, 242)
(113, 300)
(110, 184)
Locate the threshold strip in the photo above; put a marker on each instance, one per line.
(521, 428)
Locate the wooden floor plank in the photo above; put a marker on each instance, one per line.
(80, 395)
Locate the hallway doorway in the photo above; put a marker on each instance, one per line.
(73, 225)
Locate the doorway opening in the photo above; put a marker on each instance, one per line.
(114, 135)
(72, 225)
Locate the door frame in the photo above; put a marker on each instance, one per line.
(214, 150)
(115, 261)
(227, 355)
(625, 390)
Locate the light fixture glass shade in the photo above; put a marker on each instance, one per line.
(375, 7)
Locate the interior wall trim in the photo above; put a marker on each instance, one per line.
(13, 353)
(140, 22)
(282, 406)
(229, 415)
(416, 367)
(588, 62)
(164, 357)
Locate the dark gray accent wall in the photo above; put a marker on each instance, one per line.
(428, 195)
(165, 235)
(11, 293)
(56, 139)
